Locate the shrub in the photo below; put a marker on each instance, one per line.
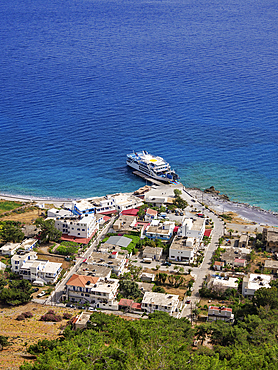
(51, 316)
(27, 314)
(66, 316)
(20, 317)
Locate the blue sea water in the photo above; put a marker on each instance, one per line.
(84, 82)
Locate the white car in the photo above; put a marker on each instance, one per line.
(91, 309)
(42, 293)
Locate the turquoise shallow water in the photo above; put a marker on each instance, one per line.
(85, 82)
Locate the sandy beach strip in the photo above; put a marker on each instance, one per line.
(213, 201)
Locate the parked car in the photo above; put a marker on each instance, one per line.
(69, 305)
(166, 263)
(42, 293)
(92, 309)
(188, 301)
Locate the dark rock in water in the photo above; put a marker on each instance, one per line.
(212, 190)
(224, 197)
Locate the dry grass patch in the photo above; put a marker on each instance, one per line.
(23, 333)
(27, 217)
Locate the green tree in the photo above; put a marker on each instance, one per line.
(179, 202)
(158, 289)
(178, 280)
(48, 230)
(135, 271)
(266, 296)
(177, 192)
(18, 292)
(230, 231)
(11, 233)
(202, 332)
(129, 289)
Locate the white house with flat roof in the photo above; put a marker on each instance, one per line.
(77, 226)
(113, 261)
(160, 302)
(183, 249)
(193, 228)
(223, 282)
(31, 268)
(252, 282)
(160, 230)
(107, 204)
(10, 249)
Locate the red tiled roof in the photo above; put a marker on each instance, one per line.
(176, 228)
(207, 232)
(114, 253)
(70, 238)
(81, 280)
(130, 212)
(106, 218)
(151, 212)
(239, 260)
(217, 263)
(108, 212)
(126, 302)
(221, 309)
(136, 306)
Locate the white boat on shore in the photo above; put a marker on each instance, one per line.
(151, 166)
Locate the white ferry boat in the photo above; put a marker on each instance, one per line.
(151, 166)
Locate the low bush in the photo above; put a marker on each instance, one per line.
(20, 317)
(51, 316)
(66, 316)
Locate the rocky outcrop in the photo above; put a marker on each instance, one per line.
(213, 191)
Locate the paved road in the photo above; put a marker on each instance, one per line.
(60, 287)
(199, 273)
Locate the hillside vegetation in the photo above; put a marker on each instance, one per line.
(163, 342)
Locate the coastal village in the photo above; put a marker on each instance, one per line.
(161, 248)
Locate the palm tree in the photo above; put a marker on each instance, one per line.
(230, 231)
(202, 332)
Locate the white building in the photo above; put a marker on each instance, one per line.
(98, 292)
(77, 226)
(112, 260)
(223, 283)
(150, 215)
(28, 244)
(2, 266)
(183, 249)
(193, 228)
(31, 268)
(220, 313)
(160, 230)
(9, 249)
(160, 302)
(55, 213)
(155, 253)
(107, 204)
(253, 282)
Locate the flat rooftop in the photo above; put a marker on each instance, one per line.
(179, 243)
(160, 299)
